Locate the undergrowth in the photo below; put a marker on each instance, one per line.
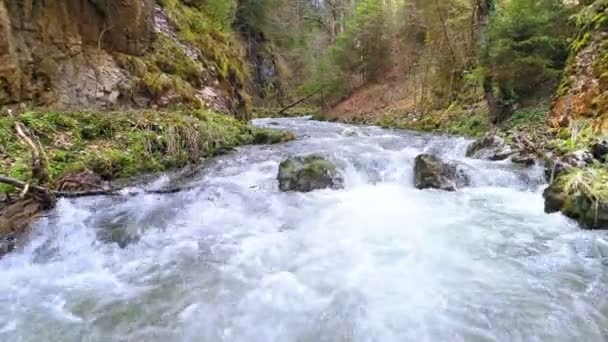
(118, 144)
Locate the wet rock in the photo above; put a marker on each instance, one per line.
(580, 158)
(432, 172)
(308, 173)
(16, 218)
(599, 150)
(557, 167)
(491, 147)
(80, 181)
(349, 132)
(555, 199)
(589, 213)
(264, 136)
(527, 159)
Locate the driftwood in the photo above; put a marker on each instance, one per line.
(293, 104)
(50, 195)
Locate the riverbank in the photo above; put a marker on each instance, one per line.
(87, 150)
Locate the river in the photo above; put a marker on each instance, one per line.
(234, 259)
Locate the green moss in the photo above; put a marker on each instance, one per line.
(205, 28)
(271, 136)
(118, 144)
(586, 191)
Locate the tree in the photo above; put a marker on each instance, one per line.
(526, 51)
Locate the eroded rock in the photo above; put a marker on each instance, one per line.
(431, 172)
(308, 173)
(590, 213)
(491, 147)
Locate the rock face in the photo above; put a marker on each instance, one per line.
(308, 173)
(106, 53)
(490, 147)
(58, 51)
(583, 93)
(432, 172)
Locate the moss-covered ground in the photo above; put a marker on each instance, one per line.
(122, 144)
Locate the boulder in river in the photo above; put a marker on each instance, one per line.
(431, 172)
(308, 173)
(266, 136)
(491, 147)
(590, 213)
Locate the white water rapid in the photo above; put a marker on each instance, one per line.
(233, 259)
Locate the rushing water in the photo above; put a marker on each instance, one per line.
(233, 259)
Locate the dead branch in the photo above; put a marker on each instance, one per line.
(38, 156)
(39, 191)
(300, 101)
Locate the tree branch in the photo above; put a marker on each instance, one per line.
(323, 25)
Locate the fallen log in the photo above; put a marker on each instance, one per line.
(293, 104)
(48, 194)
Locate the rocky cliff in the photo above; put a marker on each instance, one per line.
(583, 93)
(117, 52)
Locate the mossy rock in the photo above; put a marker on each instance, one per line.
(265, 136)
(309, 173)
(580, 194)
(431, 172)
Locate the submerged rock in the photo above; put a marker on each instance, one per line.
(432, 172)
(265, 136)
(308, 173)
(491, 147)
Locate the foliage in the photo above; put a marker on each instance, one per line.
(528, 46)
(358, 54)
(527, 119)
(586, 193)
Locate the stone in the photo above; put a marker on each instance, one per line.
(431, 172)
(599, 150)
(579, 158)
(309, 173)
(80, 181)
(265, 136)
(555, 198)
(491, 147)
(587, 212)
(526, 159)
